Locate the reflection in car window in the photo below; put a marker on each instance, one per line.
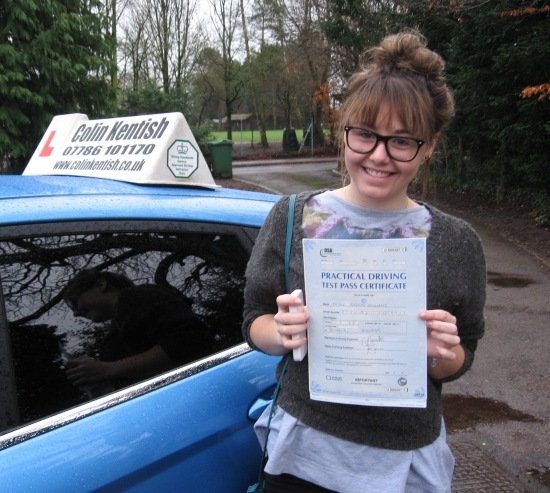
(153, 329)
(207, 268)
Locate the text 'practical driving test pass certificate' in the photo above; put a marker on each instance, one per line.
(366, 342)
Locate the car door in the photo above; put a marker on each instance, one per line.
(184, 430)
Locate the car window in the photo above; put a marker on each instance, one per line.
(38, 331)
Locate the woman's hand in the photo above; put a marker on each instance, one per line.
(290, 323)
(443, 343)
(442, 333)
(85, 371)
(273, 333)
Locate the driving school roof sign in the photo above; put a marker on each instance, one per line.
(151, 149)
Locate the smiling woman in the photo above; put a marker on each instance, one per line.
(391, 118)
(380, 175)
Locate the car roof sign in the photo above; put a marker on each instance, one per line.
(147, 150)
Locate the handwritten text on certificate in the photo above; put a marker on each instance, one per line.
(367, 344)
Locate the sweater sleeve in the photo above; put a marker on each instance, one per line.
(265, 277)
(466, 276)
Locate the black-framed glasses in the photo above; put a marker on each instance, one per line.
(364, 141)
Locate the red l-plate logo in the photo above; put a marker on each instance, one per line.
(47, 150)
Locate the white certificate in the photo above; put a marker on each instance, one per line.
(366, 342)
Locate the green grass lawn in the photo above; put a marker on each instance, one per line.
(272, 135)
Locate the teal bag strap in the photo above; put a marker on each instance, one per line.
(288, 246)
(259, 487)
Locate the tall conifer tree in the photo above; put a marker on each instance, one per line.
(54, 59)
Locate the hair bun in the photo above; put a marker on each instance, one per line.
(407, 51)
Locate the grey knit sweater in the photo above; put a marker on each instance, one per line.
(456, 283)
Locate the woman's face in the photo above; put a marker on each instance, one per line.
(95, 304)
(377, 180)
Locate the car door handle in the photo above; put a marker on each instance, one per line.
(258, 407)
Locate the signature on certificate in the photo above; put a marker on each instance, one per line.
(370, 343)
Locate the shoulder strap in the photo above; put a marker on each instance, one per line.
(288, 246)
(260, 485)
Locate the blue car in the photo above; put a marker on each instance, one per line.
(187, 430)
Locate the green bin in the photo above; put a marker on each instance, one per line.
(220, 152)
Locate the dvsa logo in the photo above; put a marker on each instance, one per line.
(325, 252)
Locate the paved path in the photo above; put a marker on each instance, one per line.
(501, 407)
(283, 178)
